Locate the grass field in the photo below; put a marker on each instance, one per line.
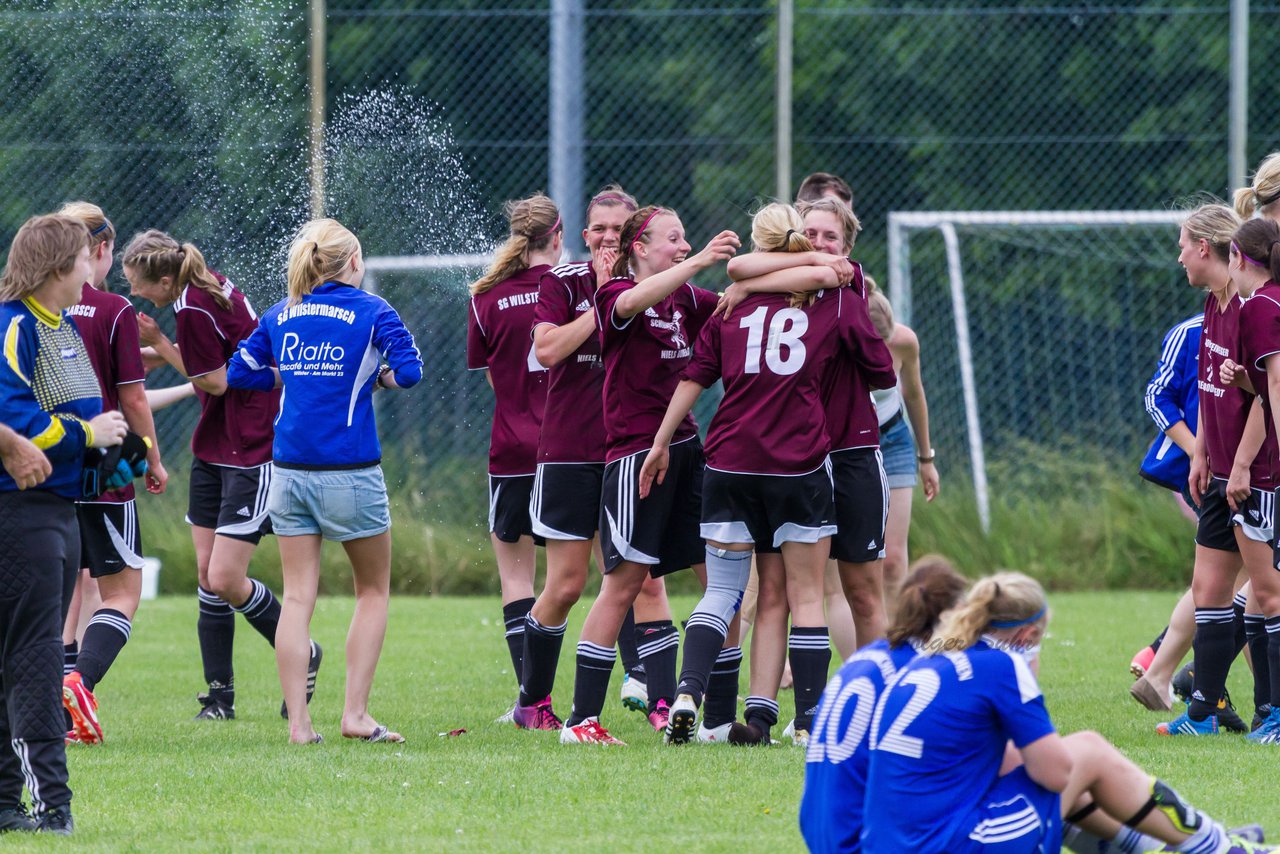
(163, 782)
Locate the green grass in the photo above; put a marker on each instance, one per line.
(163, 782)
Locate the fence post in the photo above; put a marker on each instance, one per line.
(782, 154)
(318, 95)
(1238, 139)
(565, 140)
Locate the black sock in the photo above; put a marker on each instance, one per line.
(703, 639)
(1213, 643)
(540, 657)
(591, 681)
(262, 610)
(1155, 644)
(216, 628)
(1273, 659)
(628, 654)
(761, 713)
(810, 652)
(721, 705)
(1237, 610)
(70, 652)
(107, 633)
(1255, 630)
(513, 616)
(658, 643)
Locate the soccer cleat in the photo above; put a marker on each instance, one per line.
(1184, 725)
(507, 717)
(71, 737)
(1259, 715)
(588, 732)
(1141, 662)
(213, 709)
(1149, 696)
(746, 734)
(1184, 682)
(680, 723)
(537, 716)
(1268, 730)
(1228, 719)
(82, 706)
(56, 821)
(313, 668)
(1242, 845)
(659, 716)
(16, 818)
(635, 694)
(1249, 833)
(714, 735)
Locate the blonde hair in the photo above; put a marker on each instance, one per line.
(100, 228)
(1215, 223)
(880, 308)
(319, 253)
(154, 255)
(778, 228)
(1006, 597)
(46, 246)
(843, 213)
(534, 222)
(1264, 190)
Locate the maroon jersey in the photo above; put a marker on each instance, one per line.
(1225, 409)
(573, 422)
(235, 428)
(1260, 338)
(498, 340)
(109, 327)
(774, 359)
(851, 413)
(644, 356)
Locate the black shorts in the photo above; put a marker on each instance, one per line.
(232, 501)
(662, 530)
(1214, 530)
(566, 500)
(862, 505)
(768, 510)
(509, 507)
(109, 538)
(1257, 517)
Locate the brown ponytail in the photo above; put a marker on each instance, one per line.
(633, 231)
(154, 255)
(931, 588)
(1259, 241)
(534, 223)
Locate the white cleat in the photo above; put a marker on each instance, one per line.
(508, 717)
(714, 735)
(635, 694)
(588, 732)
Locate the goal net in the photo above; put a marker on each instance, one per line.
(1038, 334)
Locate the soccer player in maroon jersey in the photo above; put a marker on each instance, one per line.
(1223, 453)
(648, 316)
(231, 445)
(566, 495)
(768, 480)
(111, 545)
(1255, 268)
(503, 302)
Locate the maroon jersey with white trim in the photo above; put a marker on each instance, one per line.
(573, 422)
(498, 340)
(235, 428)
(774, 359)
(1260, 338)
(108, 325)
(851, 413)
(644, 356)
(1224, 409)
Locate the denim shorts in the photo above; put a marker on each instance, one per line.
(899, 449)
(346, 504)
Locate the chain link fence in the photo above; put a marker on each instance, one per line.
(193, 116)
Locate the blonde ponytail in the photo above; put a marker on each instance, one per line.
(779, 228)
(154, 255)
(1264, 189)
(321, 251)
(534, 223)
(1003, 600)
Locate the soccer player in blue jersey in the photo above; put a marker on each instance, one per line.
(835, 778)
(963, 736)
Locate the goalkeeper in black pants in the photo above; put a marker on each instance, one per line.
(49, 395)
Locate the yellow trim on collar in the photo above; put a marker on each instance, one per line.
(48, 318)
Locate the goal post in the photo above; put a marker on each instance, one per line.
(1064, 245)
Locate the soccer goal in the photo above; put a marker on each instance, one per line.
(1038, 332)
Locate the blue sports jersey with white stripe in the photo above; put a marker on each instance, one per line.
(1173, 395)
(835, 776)
(937, 741)
(327, 348)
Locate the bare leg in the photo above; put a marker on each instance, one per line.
(769, 638)
(1176, 645)
(300, 564)
(864, 588)
(229, 569)
(567, 563)
(839, 614)
(371, 562)
(517, 563)
(896, 530)
(651, 602)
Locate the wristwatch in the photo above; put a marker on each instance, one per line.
(930, 458)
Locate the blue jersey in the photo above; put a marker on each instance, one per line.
(1173, 395)
(937, 741)
(327, 348)
(48, 391)
(835, 775)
